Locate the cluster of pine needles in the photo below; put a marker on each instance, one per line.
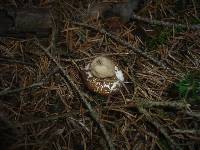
(48, 106)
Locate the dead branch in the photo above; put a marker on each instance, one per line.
(8, 91)
(127, 44)
(158, 126)
(167, 24)
(67, 78)
(175, 105)
(186, 131)
(34, 85)
(193, 114)
(152, 104)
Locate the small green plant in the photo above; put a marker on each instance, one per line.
(163, 143)
(189, 88)
(195, 20)
(162, 38)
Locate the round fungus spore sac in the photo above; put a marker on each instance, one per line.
(103, 76)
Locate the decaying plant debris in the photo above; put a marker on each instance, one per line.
(44, 98)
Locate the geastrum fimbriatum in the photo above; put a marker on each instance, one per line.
(103, 76)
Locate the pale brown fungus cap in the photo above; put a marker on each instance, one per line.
(102, 67)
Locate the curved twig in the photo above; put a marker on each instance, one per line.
(168, 24)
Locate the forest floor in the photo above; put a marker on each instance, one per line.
(49, 107)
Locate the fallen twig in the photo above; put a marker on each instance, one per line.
(175, 105)
(127, 44)
(193, 114)
(13, 61)
(168, 24)
(34, 85)
(159, 127)
(186, 131)
(150, 104)
(141, 108)
(11, 91)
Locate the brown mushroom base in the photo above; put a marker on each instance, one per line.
(101, 86)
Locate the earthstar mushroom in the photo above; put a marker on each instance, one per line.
(103, 76)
